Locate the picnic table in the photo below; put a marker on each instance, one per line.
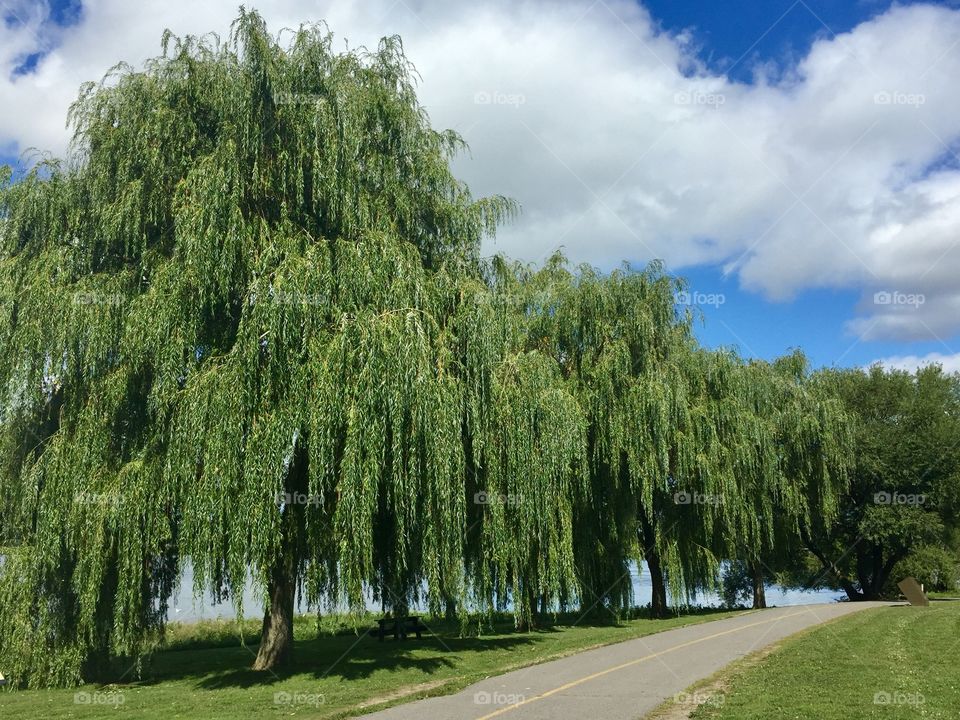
(400, 627)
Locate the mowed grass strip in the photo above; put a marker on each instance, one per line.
(205, 675)
(896, 662)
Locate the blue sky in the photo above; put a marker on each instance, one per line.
(729, 138)
(813, 321)
(735, 34)
(62, 14)
(732, 37)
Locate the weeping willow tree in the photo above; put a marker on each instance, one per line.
(662, 422)
(245, 326)
(613, 337)
(695, 457)
(752, 459)
(526, 449)
(792, 483)
(229, 337)
(705, 443)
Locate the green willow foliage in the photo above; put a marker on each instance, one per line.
(246, 326)
(243, 292)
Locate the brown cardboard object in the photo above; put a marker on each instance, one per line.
(913, 592)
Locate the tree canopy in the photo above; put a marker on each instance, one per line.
(904, 498)
(246, 325)
(245, 284)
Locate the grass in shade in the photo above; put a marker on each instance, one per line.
(339, 669)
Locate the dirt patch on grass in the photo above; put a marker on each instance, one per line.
(405, 692)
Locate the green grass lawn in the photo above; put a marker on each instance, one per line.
(202, 673)
(897, 662)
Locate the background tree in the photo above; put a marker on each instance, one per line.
(622, 342)
(795, 456)
(527, 465)
(903, 495)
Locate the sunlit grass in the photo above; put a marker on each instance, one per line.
(338, 670)
(896, 662)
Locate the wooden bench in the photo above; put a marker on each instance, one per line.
(400, 627)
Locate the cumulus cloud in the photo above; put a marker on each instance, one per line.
(949, 363)
(619, 144)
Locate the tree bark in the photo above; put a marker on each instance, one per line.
(759, 589)
(276, 638)
(875, 583)
(853, 594)
(526, 621)
(658, 597)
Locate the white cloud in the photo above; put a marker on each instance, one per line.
(950, 363)
(619, 145)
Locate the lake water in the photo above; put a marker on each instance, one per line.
(185, 608)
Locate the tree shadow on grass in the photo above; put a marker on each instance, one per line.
(341, 657)
(352, 656)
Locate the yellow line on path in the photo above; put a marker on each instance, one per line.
(595, 675)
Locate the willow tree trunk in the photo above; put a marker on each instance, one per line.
(658, 583)
(759, 590)
(853, 594)
(526, 621)
(658, 595)
(276, 637)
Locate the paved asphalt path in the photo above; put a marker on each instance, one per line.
(622, 681)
